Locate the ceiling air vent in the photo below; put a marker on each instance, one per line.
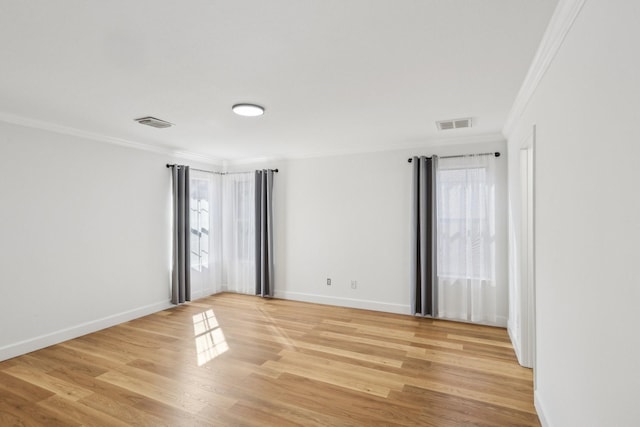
(454, 124)
(153, 122)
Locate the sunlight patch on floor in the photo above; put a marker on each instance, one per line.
(209, 338)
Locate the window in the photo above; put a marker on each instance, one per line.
(200, 222)
(222, 232)
(466, 240)
(464, 229)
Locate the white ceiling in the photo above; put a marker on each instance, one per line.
(334, 75)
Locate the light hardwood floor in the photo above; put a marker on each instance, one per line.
(241, 360)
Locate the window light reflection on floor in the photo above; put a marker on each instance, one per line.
(210, 340)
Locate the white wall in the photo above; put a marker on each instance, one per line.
(84, 236)
(586, 112)
(349, 218)
(85, 232)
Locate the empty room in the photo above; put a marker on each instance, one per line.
(319, 213)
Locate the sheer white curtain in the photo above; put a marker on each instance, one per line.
(202, 221)
(466, 239)
(222, 209)
(237, 225)
(215, 238)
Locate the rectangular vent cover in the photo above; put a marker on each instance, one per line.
(454, 124)
(153, 122)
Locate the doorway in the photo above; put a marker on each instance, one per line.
(527, 252)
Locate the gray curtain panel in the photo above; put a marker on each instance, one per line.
(181, 274)
(423, 260)
(264, 233)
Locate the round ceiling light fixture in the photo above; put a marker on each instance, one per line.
(248, 110)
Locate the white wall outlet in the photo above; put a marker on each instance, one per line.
(328, 281)
(354, 284)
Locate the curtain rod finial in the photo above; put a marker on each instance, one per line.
(497, 154)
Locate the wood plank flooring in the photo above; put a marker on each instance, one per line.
(236, 360)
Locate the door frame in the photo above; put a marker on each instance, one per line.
(527, 251)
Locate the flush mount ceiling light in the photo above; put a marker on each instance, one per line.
(248, 110)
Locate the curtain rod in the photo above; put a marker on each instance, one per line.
(497, 154)
(214, 172)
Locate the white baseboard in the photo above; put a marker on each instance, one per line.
(345, 302)
(42, 341)
(537, 402)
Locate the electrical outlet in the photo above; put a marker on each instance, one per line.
(328, 281)
(354, 284)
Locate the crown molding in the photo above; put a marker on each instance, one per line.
(453, 140)
(230, 163)
(561, 22)
(66, 130)
(407, 145)
(224, 163)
